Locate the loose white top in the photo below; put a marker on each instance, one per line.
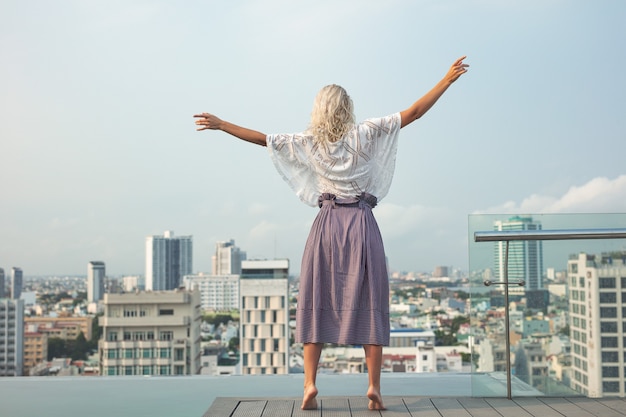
(363, 160)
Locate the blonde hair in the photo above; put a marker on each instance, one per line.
(332, 115)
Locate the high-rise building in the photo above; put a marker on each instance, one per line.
(2, 284)
(217, 292)
(264, 338)
(168, 260)
(525, 261)
(151, 333)
(16, 283)
(597, 297)
(11, 337)
(96, 274)
(227, 258)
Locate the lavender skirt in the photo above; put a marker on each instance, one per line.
(344, 285)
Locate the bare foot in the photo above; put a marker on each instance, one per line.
(376, 400)
(309, 402)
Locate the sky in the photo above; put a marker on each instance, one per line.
(98, 148)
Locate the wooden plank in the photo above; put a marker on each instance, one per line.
(249, 408)
(334, 407)
(450, 407)
(595, 407)
(507, 408)
(279, 408)
(222, 407)
(564, 407)
(617, 404)
(536, 408)
(422, 407)
(395, 407)
(478, 407)
(297, 412)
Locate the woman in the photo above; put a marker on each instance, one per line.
(344, 168)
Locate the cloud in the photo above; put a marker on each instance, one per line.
(599, 195)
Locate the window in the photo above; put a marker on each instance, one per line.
(179, 370)
(167, 335)
(606, 282)
(150, 335)
(111, 370)
(608, 312)
(609, 342)
(164, 370)
(166, 312)
(128, 370)
(126, 335)
(608, 327)
(129, 354)
(146, 370)
(610, 386)
(111, 336)
(276, 345)
(610, 371)
(164, 352)
(112, 354)
(146, 353)
(179, 354)
(610, 357)
(608, 298)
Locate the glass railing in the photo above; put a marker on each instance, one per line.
(564, 283)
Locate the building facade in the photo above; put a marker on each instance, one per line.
(35, 350)
(96, 272)
(151, 333)
(16, 282)
(67, 328)
(227, 259)
(597, 299)
(2, 283)
(264, 338)
(168, 260)
(11, 337)
(525, 258)
(217, 292)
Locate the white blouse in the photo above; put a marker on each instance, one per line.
(362, 161)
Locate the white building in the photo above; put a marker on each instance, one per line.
(96, 273)
(264, 317)
(151, 333)
(217, 292)
(11, 337)
(597, 295)
(168, 260)
(227, 259)
(133, 283)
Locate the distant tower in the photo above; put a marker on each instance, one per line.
(264, 337)
(525, 257)
(168, 260)
(95, 281)
(227, 258)
(16, 283)
(2, 283)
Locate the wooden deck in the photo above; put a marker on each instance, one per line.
(422, 407)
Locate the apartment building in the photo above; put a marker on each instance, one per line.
(11, 337)
(151, 333)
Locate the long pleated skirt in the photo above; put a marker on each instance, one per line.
(344, 284)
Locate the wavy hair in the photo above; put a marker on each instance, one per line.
(332, 115)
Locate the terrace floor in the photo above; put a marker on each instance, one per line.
(411, 406)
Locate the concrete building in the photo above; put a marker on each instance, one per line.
(151, 333)
(217, 292)
(264, 335)
(11, 337)
(597, 296)
(133, 283)
(35, 350)
(16, 283)
(67, 328)
(96, 273)
(168, 260)
(227, 259)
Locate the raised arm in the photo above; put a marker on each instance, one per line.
(421, 106)
(212, 122)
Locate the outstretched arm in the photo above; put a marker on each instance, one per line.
(209, 121)
(421, 106)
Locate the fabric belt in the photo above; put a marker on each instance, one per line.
(363, 200)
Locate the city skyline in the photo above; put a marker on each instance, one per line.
(100, 149)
